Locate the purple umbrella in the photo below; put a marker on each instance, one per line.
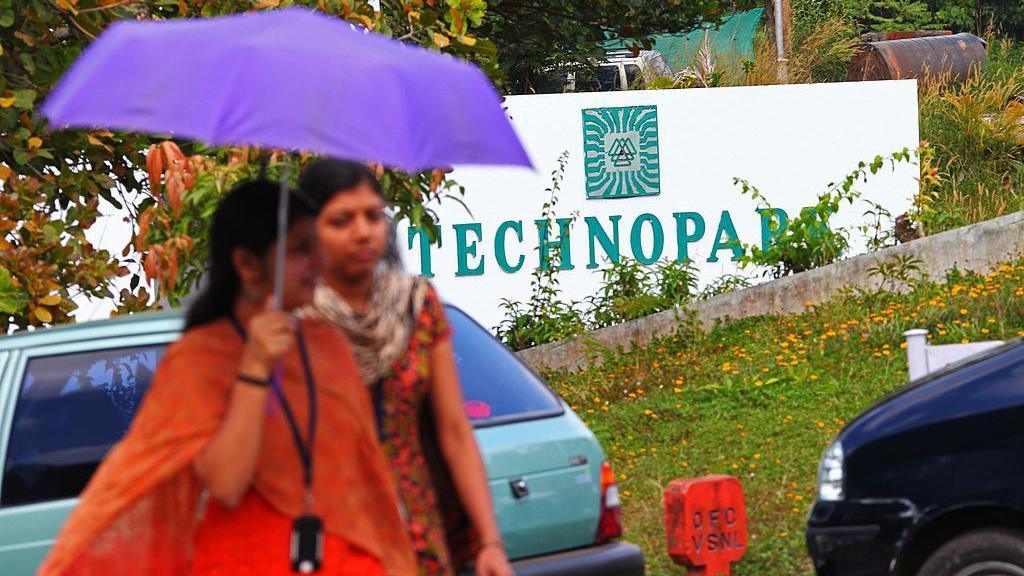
(292, 80)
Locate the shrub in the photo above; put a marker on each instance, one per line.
(545, 317)
(631, 290)
(808, 241)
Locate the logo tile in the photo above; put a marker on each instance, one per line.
(620, 146)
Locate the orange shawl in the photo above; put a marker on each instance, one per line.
(139, 513)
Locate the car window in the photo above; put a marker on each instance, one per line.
(71, 409)
(632, 72)
(600, 79)
(495, 384)
(608, 78)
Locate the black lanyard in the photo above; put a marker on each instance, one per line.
(305, 449)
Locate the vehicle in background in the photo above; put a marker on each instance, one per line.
(68, 394)
(929, 481)
(619, 71)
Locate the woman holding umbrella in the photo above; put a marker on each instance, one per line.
(400, 336)
(294, 80)
(247, 408)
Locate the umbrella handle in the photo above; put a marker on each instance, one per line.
(282, 238)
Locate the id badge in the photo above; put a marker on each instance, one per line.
(307, 545)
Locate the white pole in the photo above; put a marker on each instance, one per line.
(780, 46)
(917, 353)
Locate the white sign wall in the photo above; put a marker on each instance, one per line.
(648, 162)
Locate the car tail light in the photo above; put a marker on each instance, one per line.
(609, 527)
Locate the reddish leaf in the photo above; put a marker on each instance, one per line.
(155, 168)
(175, 189)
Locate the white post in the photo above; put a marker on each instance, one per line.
(375, 4)
(917, 353)
(780, 46)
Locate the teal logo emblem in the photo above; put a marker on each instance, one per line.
(621, 150)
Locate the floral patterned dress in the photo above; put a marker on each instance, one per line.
(404, 395)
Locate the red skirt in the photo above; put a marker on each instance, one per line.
(252, 540)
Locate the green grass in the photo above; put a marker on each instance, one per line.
(760, 398)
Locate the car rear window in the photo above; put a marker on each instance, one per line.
(632, 72)
(71, 409)
(497, 387)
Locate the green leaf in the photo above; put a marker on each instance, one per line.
(21, 156)
(6, 18)
(28, 62)
(24, 99)
(51, 231)
(486, 48)
(12, 298)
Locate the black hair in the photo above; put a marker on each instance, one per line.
(327, 177)
(245, 218)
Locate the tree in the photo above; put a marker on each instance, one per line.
(52, 183)
(538, 36)
(977, 16)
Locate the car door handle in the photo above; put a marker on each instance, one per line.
(520, 489)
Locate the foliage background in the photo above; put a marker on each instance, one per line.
(540, 35)
(53, 182)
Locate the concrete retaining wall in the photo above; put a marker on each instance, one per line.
(975, 247)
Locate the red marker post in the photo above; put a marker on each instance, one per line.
(706, 523)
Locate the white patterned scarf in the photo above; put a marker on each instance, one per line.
(380, 334)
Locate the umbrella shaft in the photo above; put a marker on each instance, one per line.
(282, 239)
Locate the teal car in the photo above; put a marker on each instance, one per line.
(68, 394)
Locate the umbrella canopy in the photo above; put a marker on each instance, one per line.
(292, 80)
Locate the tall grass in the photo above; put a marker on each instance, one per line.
(976, 131)
(821, 51)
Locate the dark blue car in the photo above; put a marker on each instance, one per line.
(930, 481)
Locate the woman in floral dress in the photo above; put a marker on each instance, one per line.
(401, 340)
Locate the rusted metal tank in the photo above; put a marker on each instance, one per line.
(954, 55)
(901, 35)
